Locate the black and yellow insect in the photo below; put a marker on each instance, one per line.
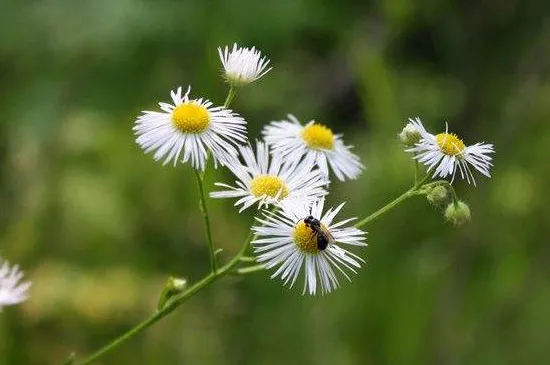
(324, 237)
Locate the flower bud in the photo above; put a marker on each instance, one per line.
(173, 286)
(438, 195)
(243, 65)
(458, 213)
(409, 136)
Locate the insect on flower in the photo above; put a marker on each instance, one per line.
(301, 240)
(324, 237)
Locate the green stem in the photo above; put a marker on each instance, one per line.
(249, 269)
(386, 208)
(248, 259)
(206, 217)
(230, 96)
(415, 190)
(172, 304)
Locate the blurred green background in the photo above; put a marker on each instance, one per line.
(98, 226)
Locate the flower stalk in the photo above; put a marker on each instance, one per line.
(206, 218)
(249, 270)
(417, 189)
(230, 96)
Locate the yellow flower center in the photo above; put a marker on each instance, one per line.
(191, 118)
(268, 185)
(305, 238)
(450, 144)
(317, 136)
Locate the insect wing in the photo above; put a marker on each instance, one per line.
(326, 233)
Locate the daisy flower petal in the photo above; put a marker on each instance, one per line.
(267, 180)
(188, 129)
(302, 236)
(315, 143)
(12, 289)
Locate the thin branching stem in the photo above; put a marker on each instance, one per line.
(249, 269)
(230, 96)
(415, 190)
(206, 218)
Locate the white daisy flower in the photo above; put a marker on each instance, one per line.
(243, 65)
(12, 291)
(268, 182)
(316, 143)
(188, 129)
(447, 153)
(301, 236)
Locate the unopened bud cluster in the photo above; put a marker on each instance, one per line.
(458, 213)
(437, 195)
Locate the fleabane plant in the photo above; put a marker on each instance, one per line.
(286, 178)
